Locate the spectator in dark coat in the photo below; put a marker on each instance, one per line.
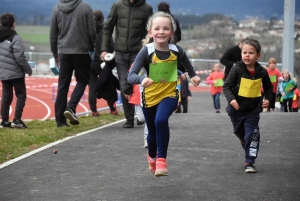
(231, 56)
(97, 71)
(185, 94)
(165, 7)
(128, 18)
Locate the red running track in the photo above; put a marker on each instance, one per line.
(41, 93)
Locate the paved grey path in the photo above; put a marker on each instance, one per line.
(205, 163)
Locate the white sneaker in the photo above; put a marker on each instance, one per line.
(145, 143)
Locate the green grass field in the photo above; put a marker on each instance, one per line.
(34, 34)
(16, 142)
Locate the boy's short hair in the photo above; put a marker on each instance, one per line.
(7, 20)
(253, 43)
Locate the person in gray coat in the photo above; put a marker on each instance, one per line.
(13, 66)
(72, 34)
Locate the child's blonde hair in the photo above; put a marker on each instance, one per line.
(291, 77)
(148, 39)
(213, 68)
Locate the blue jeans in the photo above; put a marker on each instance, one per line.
(244, 124)
(157, 120)
(216, 100)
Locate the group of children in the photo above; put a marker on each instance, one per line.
(284, 88)
(159, 94)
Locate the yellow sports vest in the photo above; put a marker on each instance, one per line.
(161, 87)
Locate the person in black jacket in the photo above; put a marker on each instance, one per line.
(165, 7)
(185, 94)
(128, 18)
(96, 70)
(242, 89)
(231, 56)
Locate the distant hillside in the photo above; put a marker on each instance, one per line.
(39, 12)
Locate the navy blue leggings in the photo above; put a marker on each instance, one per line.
(157, 119)
(244, 125)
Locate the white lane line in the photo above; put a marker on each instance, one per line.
(55, 143)
(46, 105)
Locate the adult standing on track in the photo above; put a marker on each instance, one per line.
(129, 18)
(73, 34)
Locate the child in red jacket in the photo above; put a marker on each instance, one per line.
(274, 75)
(295, 104)
(216, 80)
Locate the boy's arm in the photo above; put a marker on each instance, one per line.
(18, 51)
(268, 87)
(229, 83)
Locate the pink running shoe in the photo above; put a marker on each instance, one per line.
(152, 165)
(161, 167)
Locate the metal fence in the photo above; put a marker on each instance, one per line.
(202, 66)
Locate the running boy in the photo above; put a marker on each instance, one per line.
(160, 96)
(13, 67)
(242, 91)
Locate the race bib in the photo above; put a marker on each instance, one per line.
(288, 87)
(273, 78)
(219, 83)
(250, 88)
(163, 72)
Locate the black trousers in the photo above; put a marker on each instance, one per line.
(272, 103)
(184, 104)
(80, 64)
(123, 62)
(92, 94)
(287, 104)
(7, 97)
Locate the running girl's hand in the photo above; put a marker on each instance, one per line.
(234, 104)
(195, 80)
(147, 82)
(183, 76)
(265, 104)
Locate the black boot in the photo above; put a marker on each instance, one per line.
(128, 124)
